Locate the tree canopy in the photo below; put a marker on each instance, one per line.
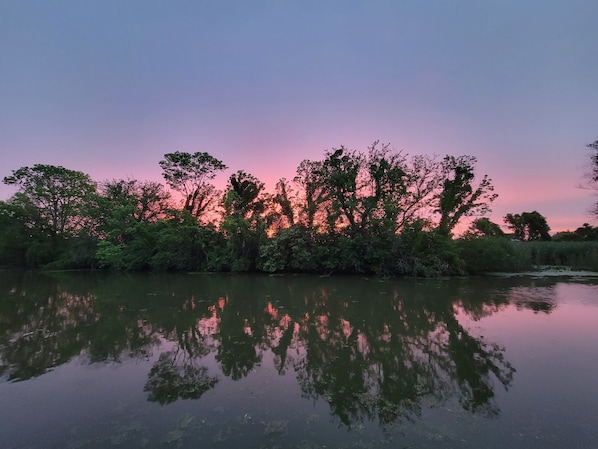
(58, 198)
(528, 226)
(376, 211)
(189, 174)
(594, 170)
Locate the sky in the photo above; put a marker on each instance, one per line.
(108, 87)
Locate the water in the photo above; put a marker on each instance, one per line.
(231, 361)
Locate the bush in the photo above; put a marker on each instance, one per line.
(428, 253)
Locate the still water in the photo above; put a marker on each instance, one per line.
(243, 361)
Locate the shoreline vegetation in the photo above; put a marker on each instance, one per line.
(375, 213)
(458, 257)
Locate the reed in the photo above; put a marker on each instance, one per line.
(577, 255)
(500, 254)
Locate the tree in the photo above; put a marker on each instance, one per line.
(423, 177)
(59, 199)
(243, 224)
(594, 161)
(14, 234)
(282, 203)
(313, 196)
(144, 201)
(386, 177)
(517, 225)
(189, 174)
(483, 227)
(594, 170)
(528, 226)
(127, 210)
(458, 198)
(366, 192)
(339, 177)
(537, 227)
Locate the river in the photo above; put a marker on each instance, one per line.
(96, 360)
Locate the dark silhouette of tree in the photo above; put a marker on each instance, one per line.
(458, 197)
(313, 195)
(189, 174)
(594, 160)
(528, 226)
(483, 227)
(141, 200)
(244, 223)
(593, 174)
(283, 203)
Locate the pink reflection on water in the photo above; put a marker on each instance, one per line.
(564, 314)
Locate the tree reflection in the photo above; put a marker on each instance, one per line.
(372, 350)
(171, 379)
(238, 339)
(46, 321)
(380, 362)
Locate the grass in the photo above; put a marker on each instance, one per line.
(577, 255)
(500, 254)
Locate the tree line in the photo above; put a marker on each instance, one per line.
(378, 211)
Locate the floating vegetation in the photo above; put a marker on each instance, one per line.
(184, 428)
(125, 432)
(174, 436)
(277, 427)
(224, 434)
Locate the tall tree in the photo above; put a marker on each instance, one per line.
(243, 224)
(517, 225)
(483, 227)
(283, 204)
(458, 197)
(528, 226)
(423, 178)
(189, 174)
(242, 198)
(313, 194)
(60, 198)
(340, 177)
(594, 170)
(594, 161)
(141, 200)
(386, 176)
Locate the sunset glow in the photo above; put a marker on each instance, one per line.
(108, 88)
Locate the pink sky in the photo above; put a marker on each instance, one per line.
(108, 88)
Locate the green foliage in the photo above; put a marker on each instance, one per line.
(493, 253)
(56, 199)
(584, 233)
(179, 246)
(13, 235)
(351, 212)
(428, 253)
(483, 227)
(578, 255)
(501, 254)
(190, 174)
(291, 250)
(528, 226)
(244, 225)
(135, 200)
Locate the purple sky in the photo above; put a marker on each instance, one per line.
(108, 87)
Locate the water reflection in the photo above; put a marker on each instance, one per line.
(373, 350)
